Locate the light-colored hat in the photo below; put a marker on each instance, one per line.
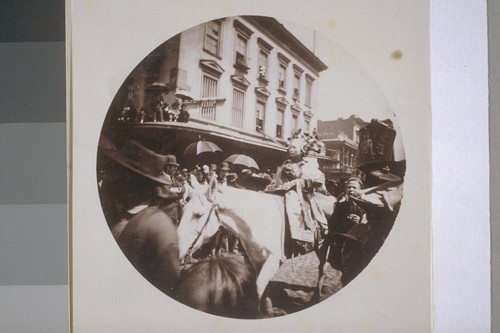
(356, 180)
(171, 160)
(224, 166)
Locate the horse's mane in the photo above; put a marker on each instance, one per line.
(228, 285)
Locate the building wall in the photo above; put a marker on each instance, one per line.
(346, 128)
(341, 142)
(191, 52)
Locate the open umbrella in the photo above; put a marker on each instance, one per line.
(202, 146)
(183, 95)
(158, 87)
(242, 159)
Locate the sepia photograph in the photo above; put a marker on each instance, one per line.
(238, 180)
(247, 168)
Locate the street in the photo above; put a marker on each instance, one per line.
(294, 290)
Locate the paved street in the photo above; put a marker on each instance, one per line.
(294, 290)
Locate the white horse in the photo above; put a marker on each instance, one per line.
(258, 219)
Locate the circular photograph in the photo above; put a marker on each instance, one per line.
(250, 168)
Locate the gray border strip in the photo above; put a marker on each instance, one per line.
(31, 20)
(494, 99)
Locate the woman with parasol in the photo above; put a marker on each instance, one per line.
(156, 105)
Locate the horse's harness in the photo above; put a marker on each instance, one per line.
(213, 209)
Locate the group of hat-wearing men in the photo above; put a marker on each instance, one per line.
(142, 196)
(142, 199)
(138, 217)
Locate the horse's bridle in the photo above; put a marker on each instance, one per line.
(214, 208)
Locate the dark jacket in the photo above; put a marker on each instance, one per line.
(149, 241)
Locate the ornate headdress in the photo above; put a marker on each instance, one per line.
(309, 141)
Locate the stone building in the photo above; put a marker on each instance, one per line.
(251, 81)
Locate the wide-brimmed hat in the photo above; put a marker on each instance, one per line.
(141, 160)
(358, 233)
(369, 201)
(224, 166)
(253, 181)
(105, 144)
(384, 175)
(397, 168)
(171, 160)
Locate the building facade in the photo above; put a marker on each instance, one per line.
(251, 82)
(341, 138)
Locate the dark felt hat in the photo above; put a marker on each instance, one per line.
(359, 233)
(141, 160)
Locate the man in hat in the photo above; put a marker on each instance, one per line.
(145, 234)
(169, 195)
(345, 215)
(222, 173)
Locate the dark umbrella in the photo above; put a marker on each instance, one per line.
(202, 146)
(242, 159)
(157, 87)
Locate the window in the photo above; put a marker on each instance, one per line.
(243, 34)
(335, 154)
(262, 74)
(282, 77)
(283, 65)
(279, 123)
(260, 109)
(296, 88)
(263, 63)
(212, 40)
(295, 123)
(309, 87)
(355, 133)
(307, 125)
(237, 111)
(209, 89)
(241, 50)
(296, 82)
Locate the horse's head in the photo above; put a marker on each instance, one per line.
(199, 221)
(224, 286)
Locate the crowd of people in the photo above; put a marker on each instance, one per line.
(143, 193)
(157, 110)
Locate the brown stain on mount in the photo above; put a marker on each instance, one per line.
(331, 24)
(376, 274)
(333, 56)
(397, 55)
